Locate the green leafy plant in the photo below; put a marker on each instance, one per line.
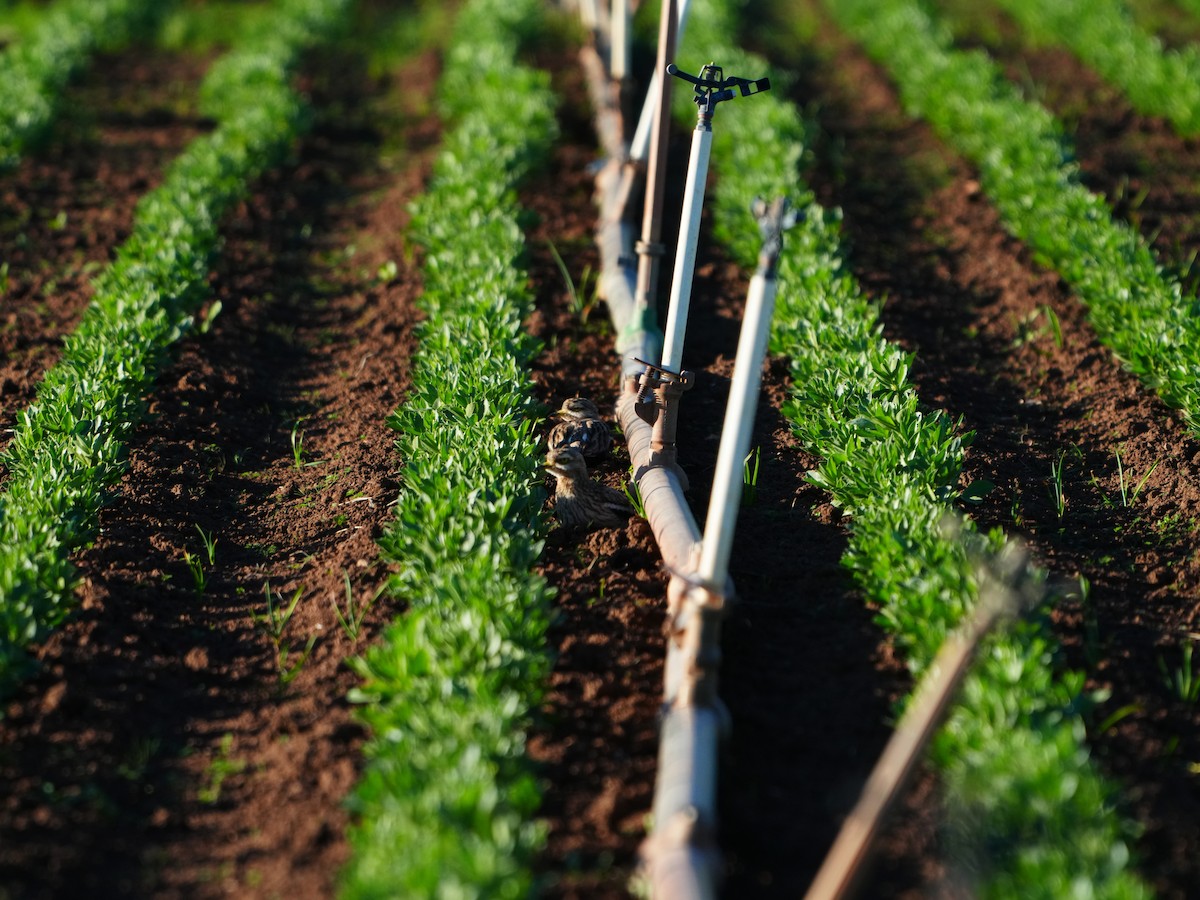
(1103, 34)
(35, 71)
(1029, 172)
(454, 812)
(69, 446)
(893, 466)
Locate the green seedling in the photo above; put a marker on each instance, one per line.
(196, 567)
(297, 439)
(210, 545)
(634, 493)
(1031, 327)
(750, 477)
(297, 442)
(143, 302)
(387, 272)
(274, 623)
(142, 751)
(1183, 681)
(210, 316)
(351, 617)
(222, 766)
(1058, 494)
(1129, 497)
(582, 300)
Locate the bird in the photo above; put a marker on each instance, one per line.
(580, 501)
(581, 427)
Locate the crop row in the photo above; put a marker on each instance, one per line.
(1020, 788)
(445, 806)
(1103, 34)
(34, 72)
(68, 447)
(1026, 169)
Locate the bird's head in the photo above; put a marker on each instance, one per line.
(578, 408)
(566, 462)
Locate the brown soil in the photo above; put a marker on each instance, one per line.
(112, 757)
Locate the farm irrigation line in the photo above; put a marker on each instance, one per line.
(34, 72)
(1137, 309)
(69, 446)
(1103, 34)
(1030, 811)
(445, 806)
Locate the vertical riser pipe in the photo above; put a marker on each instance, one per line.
(685, 256)
(619, 68)
(639, 149)
(735, 437)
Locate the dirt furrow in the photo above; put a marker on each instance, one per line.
(68, 206)
(170, 746)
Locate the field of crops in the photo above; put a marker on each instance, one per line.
(289, 291)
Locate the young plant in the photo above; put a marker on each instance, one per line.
(1129, 497)
(634, 493)
(222, 766)
(1183, 681)
(210, 545)
(70, 446)
(1058, 493)
(297, 439)
(750, 477)
(273, 624)
(351, 617)
(581, 303)
(196, 567)
(892, 466)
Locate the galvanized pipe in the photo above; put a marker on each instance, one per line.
(650, 248)
(639, 147)
(685, 252)
(735, 436)
(681, 857)
(682, 860)
(619, 63)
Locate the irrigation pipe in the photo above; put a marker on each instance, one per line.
(650, 248)
(642, 136)
(680, 857)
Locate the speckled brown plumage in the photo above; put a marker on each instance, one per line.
(579, 501)
(581, 427)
